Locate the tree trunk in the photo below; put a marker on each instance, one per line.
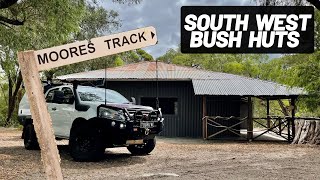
(12, 97)
(308, 132)
(9, 110)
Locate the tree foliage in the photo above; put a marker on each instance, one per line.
(315, 3)
(45, 23)
(33, 24)
(242, 64)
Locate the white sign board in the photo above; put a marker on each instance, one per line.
(95, 48)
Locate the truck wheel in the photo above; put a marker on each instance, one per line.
(30, 138)
(143, 149)
(85, 144)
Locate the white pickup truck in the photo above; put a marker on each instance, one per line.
(94, 119)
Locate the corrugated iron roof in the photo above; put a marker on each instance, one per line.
(204, 82)
(242, 87)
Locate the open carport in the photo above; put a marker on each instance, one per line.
(201, 103)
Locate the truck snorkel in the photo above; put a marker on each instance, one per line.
(78, 105)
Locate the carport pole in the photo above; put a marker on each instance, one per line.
(204, 114)
(293, 116)
(40, 115)
(249, 120)
(268, 113)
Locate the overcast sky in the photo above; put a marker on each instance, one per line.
(164, 15)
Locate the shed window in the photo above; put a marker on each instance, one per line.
(168, 106)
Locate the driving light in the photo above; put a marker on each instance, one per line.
(153, 116)
(122, 126)
(108, 113)
(138, 115)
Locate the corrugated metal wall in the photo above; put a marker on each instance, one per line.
(188, 121)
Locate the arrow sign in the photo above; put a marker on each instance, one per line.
(152, 34)
(95, 48)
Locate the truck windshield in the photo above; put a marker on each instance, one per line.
(98, 94)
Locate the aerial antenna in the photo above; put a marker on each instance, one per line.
(105, 81)
(157, 81)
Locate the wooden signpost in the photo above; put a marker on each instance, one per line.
(95, 48)
(31, 62)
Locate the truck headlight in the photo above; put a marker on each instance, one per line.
(108, 113)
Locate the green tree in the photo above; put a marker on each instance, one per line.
(144, 55)
(234, 68)
(43, 24)
(33, 24)
(242, 64)
(118, 61)
(96, 22)
(168, 56)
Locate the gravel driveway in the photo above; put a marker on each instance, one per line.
(172, 159)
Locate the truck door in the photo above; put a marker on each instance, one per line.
(61, 113)
(51, 107)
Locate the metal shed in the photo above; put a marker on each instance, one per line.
(189, 94)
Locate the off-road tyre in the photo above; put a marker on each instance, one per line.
(85, 143)
(30, 139)
(143, 149)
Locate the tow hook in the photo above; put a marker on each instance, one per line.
(147, 131)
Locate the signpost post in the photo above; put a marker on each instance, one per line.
(31, 62)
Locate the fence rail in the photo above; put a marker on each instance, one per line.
(281, 126)
(212, 121)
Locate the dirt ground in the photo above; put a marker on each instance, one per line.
(172, 159)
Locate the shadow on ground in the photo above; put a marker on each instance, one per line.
(110, 159)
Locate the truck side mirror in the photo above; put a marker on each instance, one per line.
(58, 97)
(133, 100)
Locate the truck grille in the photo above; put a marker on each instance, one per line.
(145, 113)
